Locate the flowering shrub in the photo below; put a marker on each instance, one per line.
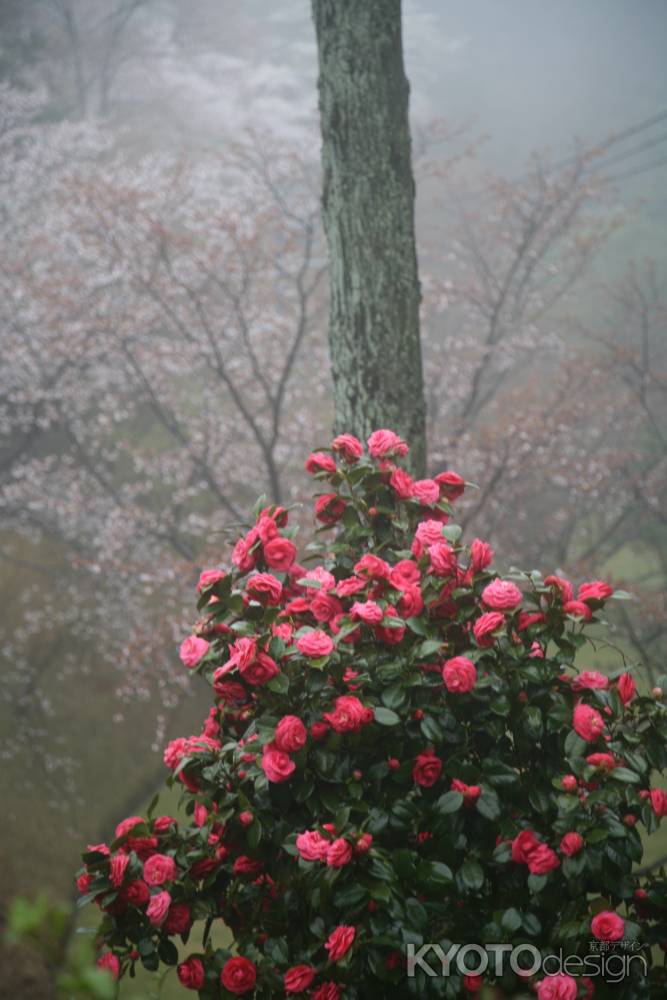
(400, 751)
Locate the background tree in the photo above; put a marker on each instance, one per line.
(368, 211)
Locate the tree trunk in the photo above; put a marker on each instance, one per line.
(368, 211)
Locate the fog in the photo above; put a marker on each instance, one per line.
(161, 257)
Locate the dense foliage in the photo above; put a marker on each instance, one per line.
(400, 751)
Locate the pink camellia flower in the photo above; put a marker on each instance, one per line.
(266, 528)
(590, 680)
(349, 586)
(277, 765)
(571, 844)
(596, 590)
(542, 860)
(557, 987)
(523, 846)
(339, 853)
(502, 595)
(279, 553)
(442, 558)
(299, 977)
(193, 650)
(578, 609)
(325, 606)
(191, 973)
(242, 652)
(427, 769)
(319, 461)
(315, 644)
(367, 611)
(605, 761)
(608, 926)
(119, 863)
(627, 689)
(385, 444)
(426, 491)
(411, 602)
(246, 818)
(158, 908)
(158, 869)
(401, 483)
(312, 846)
(128, 824)
(587, 722)
(242, 555)
(348, 716)
(569, 783)
(428, 533)
(238, 975)
(481, 555)
(659, 802)
(290, 734)
(340, 941)
(208, 577)
(348, 447)
(405, 574)
(329, 508)
(372, 567)
(451, 484)
(110, 962)
(459, 675)
(486, 628)
(265, 588)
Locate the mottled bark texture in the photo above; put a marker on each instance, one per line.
(368, 211)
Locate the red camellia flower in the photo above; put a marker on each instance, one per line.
(542, 860)
(339, 853)
(277, 766)
(372, 567)
(523, 846)
(315, 644)
(158, 869)
(401, 483)
(264, 587)
(348, 447)
(327, 991)
(427, 769)
(443, 558)
(110, 962)
(590, 680)
(179, 919)
(578, 609)
(486, 628)
(238, 975)
(459, 675)
(312, 846)
(588, 723)
(481, 555)
(329, 508)
(319, 461)
(596, 590)
(208, 577)
(451, 484)
(608, 926)
(119, 863)
(571, 844)
(502, 595)
(470, 793)
(627, 688)
(279, 553)
(191, 973)
(260, 670)
(659, 802)
(472, 984)
(340, 941)
(348, 716)
(299, 977)
(367, 611)
(290, 734)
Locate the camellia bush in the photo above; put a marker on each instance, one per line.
(401, 758)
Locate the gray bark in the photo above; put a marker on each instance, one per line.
(368, 212)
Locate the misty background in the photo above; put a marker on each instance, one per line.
(163, 339)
